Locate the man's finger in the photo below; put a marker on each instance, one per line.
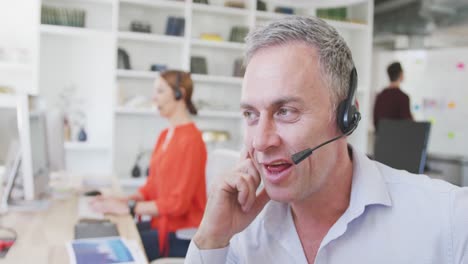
(251, 195)
(260, 202)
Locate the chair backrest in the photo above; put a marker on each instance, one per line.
(402, 144)
(220, 160)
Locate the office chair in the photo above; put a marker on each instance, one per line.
(219, 160)
(402, 144)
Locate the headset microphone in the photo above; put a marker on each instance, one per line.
(348, 118)
(302, 155)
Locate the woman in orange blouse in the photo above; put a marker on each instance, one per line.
(175, 191)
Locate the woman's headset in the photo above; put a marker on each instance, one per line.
(177, 91)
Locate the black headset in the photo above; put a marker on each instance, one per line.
(177, 91)
(348, 116)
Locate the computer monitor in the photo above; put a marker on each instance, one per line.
(12, 165)
(402, 144)
(39, 152)
(55, 140)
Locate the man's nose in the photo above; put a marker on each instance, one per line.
(265, 135)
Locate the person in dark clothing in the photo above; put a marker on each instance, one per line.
(392, 102)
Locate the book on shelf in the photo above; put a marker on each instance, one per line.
(175, 26)
(239, 69)
(235, 4)
(333, 13)
(198, 65)
(238, 34)
(211, 37)
(284, 10)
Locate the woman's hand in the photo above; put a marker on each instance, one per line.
(109, 205)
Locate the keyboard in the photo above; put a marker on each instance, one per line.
(85, 211)
(104, 228)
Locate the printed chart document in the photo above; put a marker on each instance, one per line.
(106, 250)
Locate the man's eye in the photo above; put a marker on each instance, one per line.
(250, 116)
(283, 111)
(287, 114)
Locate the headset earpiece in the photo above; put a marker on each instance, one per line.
(177, 91)
(348, 115)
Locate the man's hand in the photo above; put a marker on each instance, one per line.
(232, 206)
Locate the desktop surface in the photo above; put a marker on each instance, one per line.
(42, 235)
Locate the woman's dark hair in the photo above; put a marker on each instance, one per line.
(185, 83)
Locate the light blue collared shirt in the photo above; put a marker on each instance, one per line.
(393, 217)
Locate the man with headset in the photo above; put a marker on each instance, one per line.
(330, 203)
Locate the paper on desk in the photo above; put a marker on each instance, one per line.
(106, 250)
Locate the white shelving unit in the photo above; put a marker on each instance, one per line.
(153, 112)
(216, 79)
(137, 74)
(85, 146)
(71, 31)
(151, 38)
(220, 10)
(169, 4)
(87, 59)
(218, 44)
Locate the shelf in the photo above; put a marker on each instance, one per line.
(137, 74)
(72, 31)
(335, 23)
(201, 113)
(347, 25)
(7, 100)
(75, 145)
(269, 15)
(136, 111)
(132, 182)
(220, 114)
(220, 10)
(216, 79)
(8, 66)
(318, 3)
(78, 1)
(171, 4)
(152, 38)
(218, 44)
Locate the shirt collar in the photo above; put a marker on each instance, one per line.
(368, 188)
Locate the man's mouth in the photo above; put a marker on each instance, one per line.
(277, 166)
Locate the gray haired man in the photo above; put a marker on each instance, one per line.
(336, 205)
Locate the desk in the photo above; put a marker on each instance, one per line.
(42, 235)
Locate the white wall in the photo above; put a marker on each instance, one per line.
(436, 81)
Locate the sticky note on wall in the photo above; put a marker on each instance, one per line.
(432, 120)
(451, 105)
(461, 66)
(451, 135)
